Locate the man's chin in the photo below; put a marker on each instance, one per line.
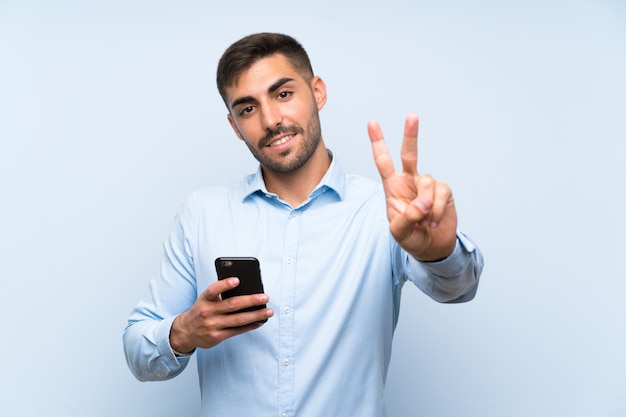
(284, 166)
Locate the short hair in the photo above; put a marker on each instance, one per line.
(241, 55)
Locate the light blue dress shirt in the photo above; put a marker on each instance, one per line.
(334, 275)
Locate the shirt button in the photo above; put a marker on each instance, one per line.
(284, 415)
(289, 259)
(286, 362)
(293, 213)
(287, 310)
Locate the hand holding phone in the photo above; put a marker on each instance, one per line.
(248, 270)
(206, 323)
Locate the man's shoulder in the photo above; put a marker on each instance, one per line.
(210, 191)
(215, 195)
(362, 185)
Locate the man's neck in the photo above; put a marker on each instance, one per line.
(295, 187)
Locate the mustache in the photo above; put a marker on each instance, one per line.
(280, 130)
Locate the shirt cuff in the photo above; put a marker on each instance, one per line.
(457, 261)
(163, 344)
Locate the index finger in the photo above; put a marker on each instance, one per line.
(213, 291)
(382, 158)
(408, 153)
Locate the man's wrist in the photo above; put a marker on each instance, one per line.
(177, 342)
(181, 354)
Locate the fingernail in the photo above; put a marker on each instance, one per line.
(420, 204)
(233, 282)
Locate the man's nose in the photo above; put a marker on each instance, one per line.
(271, 117)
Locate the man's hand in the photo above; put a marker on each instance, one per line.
(420, 209)
(208, 321)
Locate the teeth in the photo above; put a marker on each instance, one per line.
(281, 141)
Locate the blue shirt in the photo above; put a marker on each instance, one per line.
(333, 273)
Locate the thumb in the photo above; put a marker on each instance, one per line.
(403, 225)
(213, 291)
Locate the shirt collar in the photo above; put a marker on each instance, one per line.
(334, 180)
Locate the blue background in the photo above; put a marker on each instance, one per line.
(109, 117)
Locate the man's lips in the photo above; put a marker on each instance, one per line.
(280, 140)
(280, 136)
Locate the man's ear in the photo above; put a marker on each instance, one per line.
(234, 126)
(318, 86)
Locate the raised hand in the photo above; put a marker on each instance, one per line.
(421, 210)
(209, 321)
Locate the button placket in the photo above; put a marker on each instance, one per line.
(286, 319)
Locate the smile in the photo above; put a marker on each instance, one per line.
(280, 141)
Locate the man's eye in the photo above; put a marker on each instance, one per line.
(246, 110)
(284, 94)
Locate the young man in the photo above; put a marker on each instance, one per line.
(335, 250)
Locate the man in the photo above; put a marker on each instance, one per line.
(335, 250)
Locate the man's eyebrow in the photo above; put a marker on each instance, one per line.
(241, 100)
(249, 99)
(278, 84)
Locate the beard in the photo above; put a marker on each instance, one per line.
(291, 159)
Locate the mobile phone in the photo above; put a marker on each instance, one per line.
(248, 270)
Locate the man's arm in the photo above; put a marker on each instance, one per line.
(171, 292)
(154, 344)
(444, 264)
(171, 319)
(453, 279)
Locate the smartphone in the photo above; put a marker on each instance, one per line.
(248, 270)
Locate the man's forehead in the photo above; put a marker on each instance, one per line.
(276, 66)
(261, 76)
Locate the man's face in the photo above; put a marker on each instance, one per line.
(274, 110)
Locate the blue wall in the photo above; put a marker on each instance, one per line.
(109, 117)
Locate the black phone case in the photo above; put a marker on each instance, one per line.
(248, 270)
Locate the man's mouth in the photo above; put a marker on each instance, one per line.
(280, 141)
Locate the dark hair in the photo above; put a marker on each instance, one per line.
(241, 55)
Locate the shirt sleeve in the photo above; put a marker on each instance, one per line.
(172, 291)
(453, 279)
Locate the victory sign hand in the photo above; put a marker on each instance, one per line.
(420, 209)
